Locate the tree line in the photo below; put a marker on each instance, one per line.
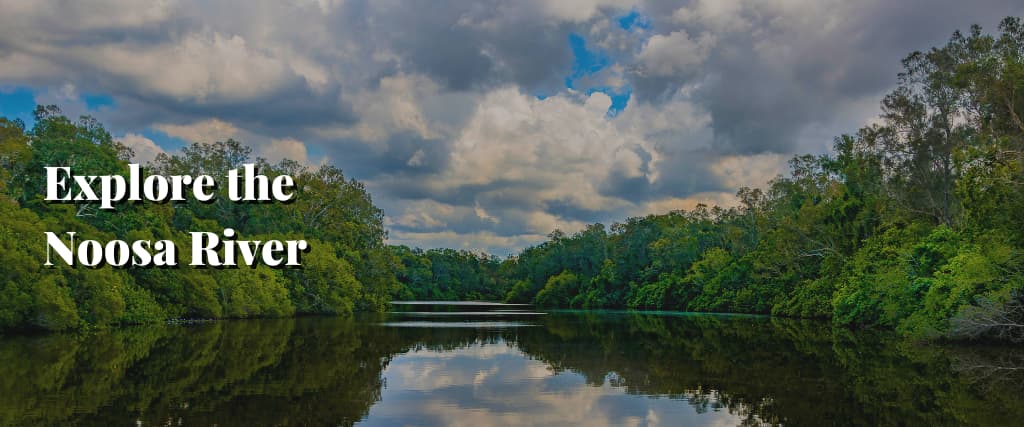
(348, 267)
(915, 222)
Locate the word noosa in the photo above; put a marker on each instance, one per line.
(207, 250)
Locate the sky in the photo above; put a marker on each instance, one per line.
(484, 125)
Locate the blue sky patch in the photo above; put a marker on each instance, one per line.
(587, 62)
(619, 98)
(96, 101)
(163, 140)
(634, 20)
(17, 103)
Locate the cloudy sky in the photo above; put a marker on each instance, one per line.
(482, 124)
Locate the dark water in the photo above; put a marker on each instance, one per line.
(559, 369)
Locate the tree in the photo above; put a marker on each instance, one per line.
(992, 319)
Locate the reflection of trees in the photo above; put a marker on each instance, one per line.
(44, 380)
(992, 319)
(306, 372)
(711, 362)
(772, 370)
(329, 371)
(991, 368)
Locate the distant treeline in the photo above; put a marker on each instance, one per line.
(348, 267)
(914, 223)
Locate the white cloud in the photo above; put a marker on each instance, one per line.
(677, 52)
(285, 148)
(97, 14)
(460, 389)
(722, 15)
(417, 158)
(199, 68)
(66, 96)
(521, 155)
(144, 148)
(749, 171)
(394, 106)
(581, 10)
(669, 204)
(20, 66)
(482, 214)
(423, 214)
(316, 75)
(206, 131)
(485, 241)
(560, 149)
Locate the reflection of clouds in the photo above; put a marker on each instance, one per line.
(476, 324)
(538, 370)
(478, 351)
(481, 376)
(497, 385)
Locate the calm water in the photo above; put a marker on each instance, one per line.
(558, 369)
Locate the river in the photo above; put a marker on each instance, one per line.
(504, 366)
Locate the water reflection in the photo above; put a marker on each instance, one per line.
(495, 384)
(559, 369)
(468, 324)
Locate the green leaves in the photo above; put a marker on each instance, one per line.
(348, 268)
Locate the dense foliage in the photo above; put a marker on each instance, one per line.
(348, 267)
(914, 223)
(448, 275)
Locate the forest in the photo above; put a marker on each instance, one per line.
(914, 223)
(348, 268)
